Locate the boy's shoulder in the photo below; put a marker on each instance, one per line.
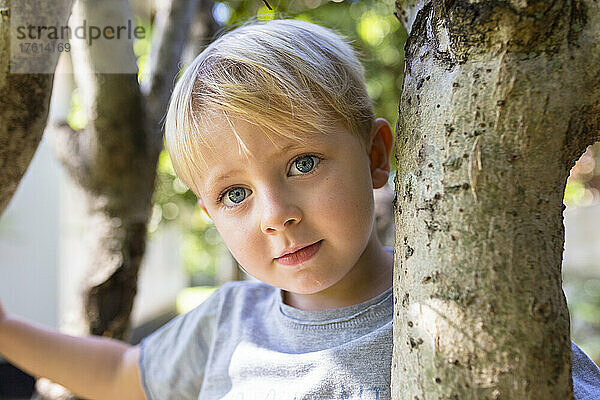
(586, 375)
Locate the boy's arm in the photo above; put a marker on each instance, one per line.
(91, 367)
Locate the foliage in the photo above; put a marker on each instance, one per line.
(583, 185)
(76, 118)
(175, 203)
(141, 48)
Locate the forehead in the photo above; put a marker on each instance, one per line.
(229, 143)
(230, 136)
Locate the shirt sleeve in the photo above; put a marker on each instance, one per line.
(586, 376)
(173, 358)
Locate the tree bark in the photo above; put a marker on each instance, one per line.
(499, 100)
(24, 100)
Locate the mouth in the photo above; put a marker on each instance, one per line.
(300, 255)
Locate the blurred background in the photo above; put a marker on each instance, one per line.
(581, 258)
(40, 249)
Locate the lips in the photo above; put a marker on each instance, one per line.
(299, 254)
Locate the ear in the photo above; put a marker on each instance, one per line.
(202, 206)
(381, 140)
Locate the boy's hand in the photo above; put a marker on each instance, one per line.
(91, 367)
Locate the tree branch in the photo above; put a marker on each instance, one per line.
(584, 122)
(66, 145)
(114, 139)
(407, 11)
(202, 31)
(171, 27)
(25, 97)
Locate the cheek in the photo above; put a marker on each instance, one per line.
(346, 205)
(238, 239)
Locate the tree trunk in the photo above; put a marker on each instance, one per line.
(24, 98)
(499, 100)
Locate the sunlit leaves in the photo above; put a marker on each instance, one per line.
(583, 185)
(221, 12)
(141, 49)
(372, 28)
(77, 117)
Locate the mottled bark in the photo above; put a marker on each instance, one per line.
(499, 100)
(24, 101)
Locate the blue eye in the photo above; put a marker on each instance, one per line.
(234, 196)
(305, 164)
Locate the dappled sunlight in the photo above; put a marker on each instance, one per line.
(583, 184)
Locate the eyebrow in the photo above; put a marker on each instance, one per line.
(212, 182)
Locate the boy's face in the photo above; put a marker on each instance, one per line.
(279, 197)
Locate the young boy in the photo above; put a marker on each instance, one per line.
(271, 126)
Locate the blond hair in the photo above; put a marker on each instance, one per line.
(286, 76)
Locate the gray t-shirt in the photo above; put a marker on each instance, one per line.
(244, 343)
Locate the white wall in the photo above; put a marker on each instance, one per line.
(29, 237)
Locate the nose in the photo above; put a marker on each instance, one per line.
(279, 213)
